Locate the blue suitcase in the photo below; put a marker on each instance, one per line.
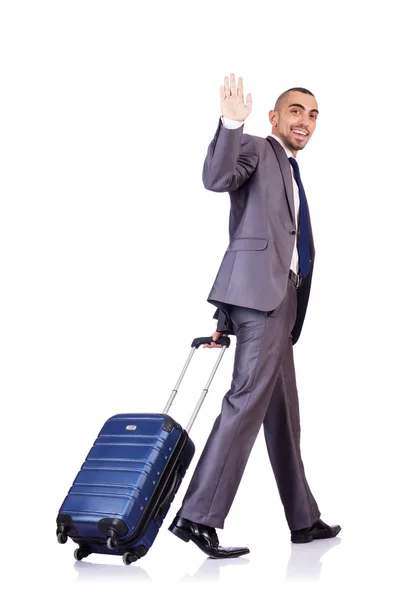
(123, 491)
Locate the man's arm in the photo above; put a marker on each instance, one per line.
(232, 157)
(224, 325)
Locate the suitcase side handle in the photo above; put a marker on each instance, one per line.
(197, 342)
(169, 496)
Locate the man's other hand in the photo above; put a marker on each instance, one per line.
(215, 336)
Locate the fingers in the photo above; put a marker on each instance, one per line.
(212, 345)
(226, 86)
(240, 89)
(215, 336)
(229, 89)
(233, 90)
(248, 101)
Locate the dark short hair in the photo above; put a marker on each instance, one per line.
(284, 94)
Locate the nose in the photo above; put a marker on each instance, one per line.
(306, 123)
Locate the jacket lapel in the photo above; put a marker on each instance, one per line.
(285, 169)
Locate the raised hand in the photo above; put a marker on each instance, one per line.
(232, 99)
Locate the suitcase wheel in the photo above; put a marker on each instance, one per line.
(62, 537)
(111, 543)
(81, 553)
(130, 557)
(135, 554)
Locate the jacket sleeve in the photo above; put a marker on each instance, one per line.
(224, 325)
(231, 159)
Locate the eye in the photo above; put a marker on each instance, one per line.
(314, 117)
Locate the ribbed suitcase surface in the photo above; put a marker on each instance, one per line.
(128, 470)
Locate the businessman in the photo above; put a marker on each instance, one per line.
(261, 292)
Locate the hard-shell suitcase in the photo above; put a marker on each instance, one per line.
(123, 491)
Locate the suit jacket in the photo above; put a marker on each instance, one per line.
(254, 270)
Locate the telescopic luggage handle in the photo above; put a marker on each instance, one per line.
(197, 342)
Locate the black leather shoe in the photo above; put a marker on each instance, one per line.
(318, 531)
(204, 537)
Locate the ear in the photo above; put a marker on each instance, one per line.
(273, 118)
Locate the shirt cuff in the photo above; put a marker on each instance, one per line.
(231, 124)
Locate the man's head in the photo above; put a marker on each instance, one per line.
(294, 118)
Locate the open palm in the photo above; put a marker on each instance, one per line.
(232, 99)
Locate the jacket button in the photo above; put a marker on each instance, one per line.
(292, 231)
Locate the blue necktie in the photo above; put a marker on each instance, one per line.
(304, 251)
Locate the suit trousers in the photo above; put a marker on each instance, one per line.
(263, 393)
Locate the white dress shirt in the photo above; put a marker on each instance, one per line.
(231, 124)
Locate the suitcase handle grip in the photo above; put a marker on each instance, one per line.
(223, 341)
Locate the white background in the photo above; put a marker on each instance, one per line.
(109, 247)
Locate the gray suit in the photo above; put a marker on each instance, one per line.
(257, 175)
(258, 302)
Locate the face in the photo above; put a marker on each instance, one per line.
(295, 120)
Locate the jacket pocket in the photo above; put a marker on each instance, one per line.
(247, 243)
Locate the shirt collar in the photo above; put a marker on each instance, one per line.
(287, 150)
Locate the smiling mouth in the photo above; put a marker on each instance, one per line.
(300, 133)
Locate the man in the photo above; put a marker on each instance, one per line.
(261, 291)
